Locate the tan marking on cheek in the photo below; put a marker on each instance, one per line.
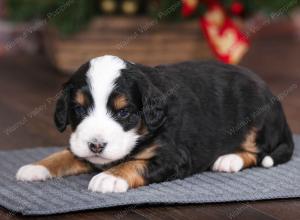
(64, 163)
(80, 98)
(120, 102)
(131, 171)
(147, 153)
(249, 159)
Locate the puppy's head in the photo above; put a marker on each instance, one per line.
(110, 104)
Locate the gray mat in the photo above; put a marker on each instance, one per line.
(71, 194)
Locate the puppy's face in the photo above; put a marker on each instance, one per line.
(107, 104)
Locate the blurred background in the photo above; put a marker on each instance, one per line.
(43, 42)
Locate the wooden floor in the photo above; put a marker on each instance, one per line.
(28, 86)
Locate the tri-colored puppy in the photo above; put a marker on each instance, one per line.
(141, 125)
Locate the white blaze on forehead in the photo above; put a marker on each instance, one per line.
(101, 77)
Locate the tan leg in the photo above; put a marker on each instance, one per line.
(244, 158)
(130, 174)
(59, 164)
(249, 159)
(131, 171)
(120, 178)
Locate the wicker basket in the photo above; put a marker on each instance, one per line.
(140, 40)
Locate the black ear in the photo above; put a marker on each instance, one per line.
(61, 115)
(154, 110)
(153, 101)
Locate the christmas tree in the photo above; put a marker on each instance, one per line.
(68, 16)
(72, 15)
(236, 7)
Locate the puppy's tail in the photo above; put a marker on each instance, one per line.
(283, 151)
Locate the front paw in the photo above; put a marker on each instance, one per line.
(105, 182)
(33, 172)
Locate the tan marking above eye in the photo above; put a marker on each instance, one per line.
(120, 102)
(80, 98)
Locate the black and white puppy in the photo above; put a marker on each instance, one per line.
(140, 125)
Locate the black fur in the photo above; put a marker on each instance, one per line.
(67, 111)
(61, 117)
(195, 112)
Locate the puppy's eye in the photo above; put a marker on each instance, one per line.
(123, 113)
(79, 110)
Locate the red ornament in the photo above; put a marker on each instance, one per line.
(225, 39)
(189, 7)
(227, 42)
(237, 8)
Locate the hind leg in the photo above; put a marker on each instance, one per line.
(245, 157)
(231, 163)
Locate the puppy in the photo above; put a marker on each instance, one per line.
(138, 125)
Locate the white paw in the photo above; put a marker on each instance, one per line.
(106, 183)
(229, 163)
(33, 173)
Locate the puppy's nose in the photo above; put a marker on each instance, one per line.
(97, 148)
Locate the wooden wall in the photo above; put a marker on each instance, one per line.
(138, 39)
